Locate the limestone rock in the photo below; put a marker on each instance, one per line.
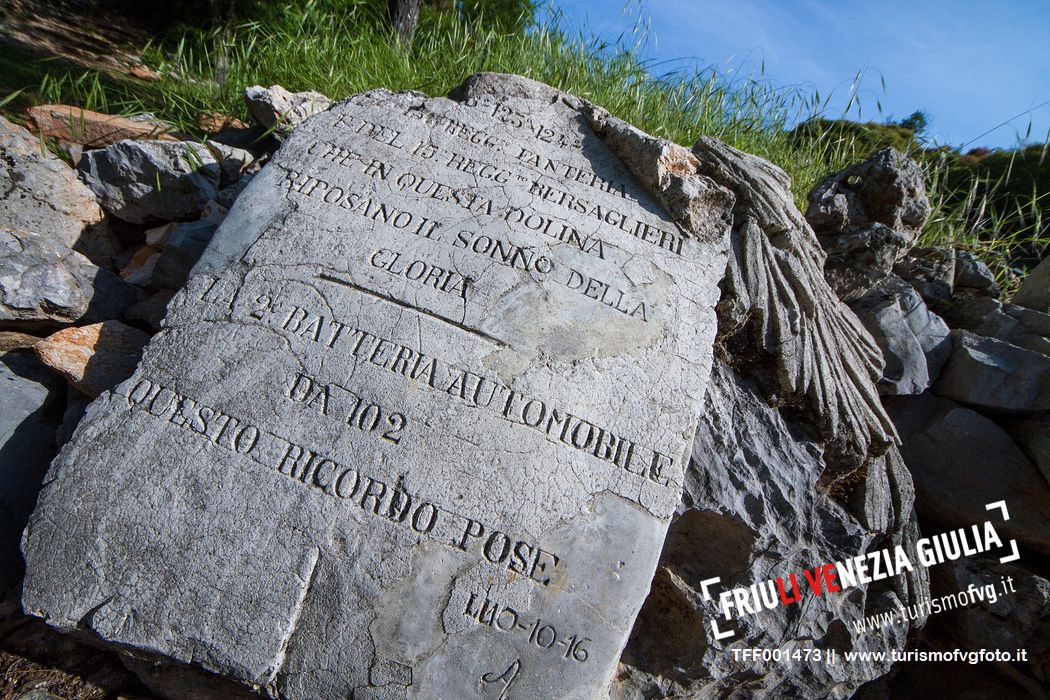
(228, 195)
(777, 305)
(991, 374)
(859, 260)
(101, 243)
(754, 509)
(971, 273)
(28, 396)
(139, 181)
(1033, 437)
(961, 461)
(152, 310)
(93, 358)
(418, 263)
(1015, 618)
(13, 340)
(182, 248)
(277, 107)
(233, 161)
(889, 189)
(216, 122)
(69, 667)
(140, 267)
(43, 284)
(931, 271)
(958, 679)
(69, 124)
(253, 139)
(1025, 328)
(1035, 290)
(914, 341)
(76, 407)
(765, 493)
(866, 217)
(38, 192)
(38, 694)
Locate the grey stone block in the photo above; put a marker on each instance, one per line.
(141, 181)
(418, 422)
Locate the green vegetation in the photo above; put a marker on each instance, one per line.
(991, 204)
(857, 139)
(994, 203)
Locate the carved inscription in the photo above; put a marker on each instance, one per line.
(503, 681)
(547, 167)
(415, 424)
(368, 203)
(505, 618)
(341, 403)
(473, 388)
(365, 205)
(352, 484)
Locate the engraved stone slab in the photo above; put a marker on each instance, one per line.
(417, 424)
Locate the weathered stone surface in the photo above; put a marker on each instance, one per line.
(866, 217)
(153, 310)
(215, 122)
(140, 268)
(755, 508)
(916, 680)
(961, 461)
(182, 249)
(39, 192)
(914, 341)
(1033, 437)
(764, 492)
(889, 189)
(101, 244)
(859, 260)
(70, 124)
(1035, 290)
(971, 273)
(13, 340)
(931, 271)
(991, 374)
(44, 284)
(276, 106)
(37, 656)
(254, 139)
(778, 306)
(368, 482)
(76, 407)
(1010, 323)
(228, 195)
(29, 394)
(93, 358)
(139, 181)
(1013, 614)
(38, 695)
(233, 161)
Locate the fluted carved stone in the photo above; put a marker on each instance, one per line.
(776, 301)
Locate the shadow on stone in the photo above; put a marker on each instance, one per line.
(32, 401)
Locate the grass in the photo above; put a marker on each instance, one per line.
(311, 46)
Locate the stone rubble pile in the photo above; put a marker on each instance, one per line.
(863, 393)
(84, 283)
(967, 383)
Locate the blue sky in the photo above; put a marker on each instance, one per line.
(970, 65)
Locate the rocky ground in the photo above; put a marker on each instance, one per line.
(796, 458)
